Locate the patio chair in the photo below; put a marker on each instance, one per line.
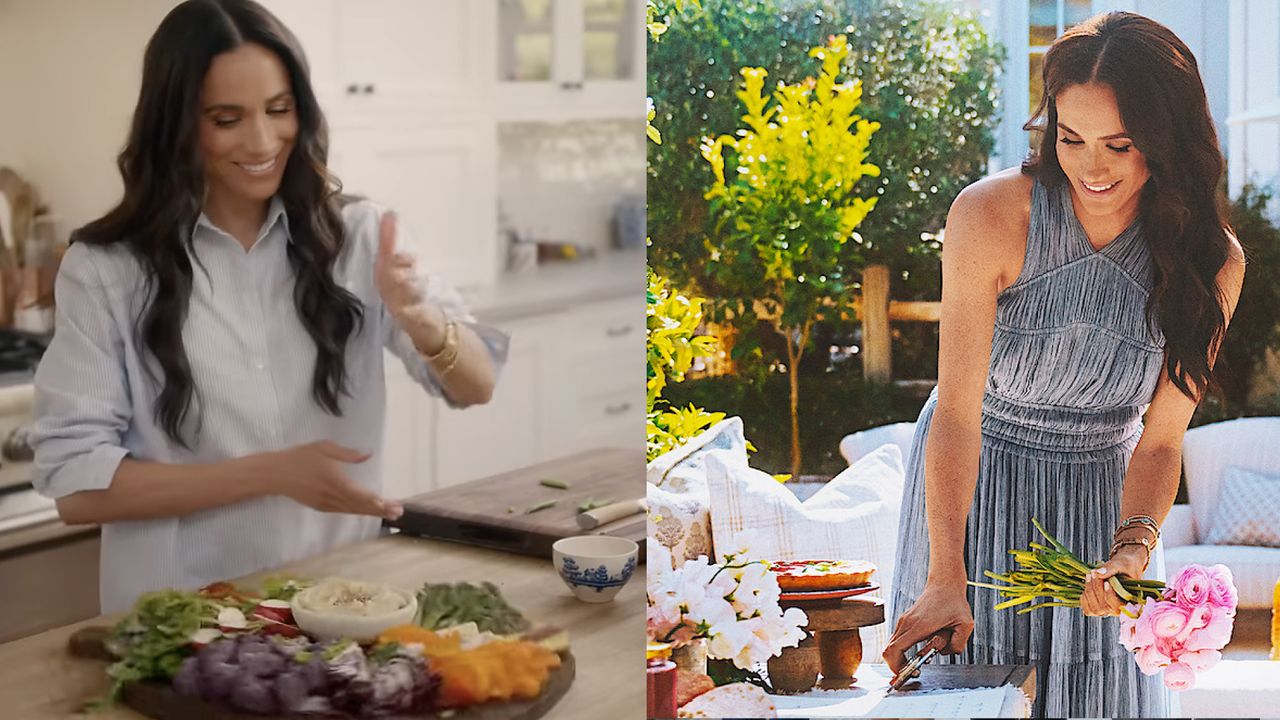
(1207, 451)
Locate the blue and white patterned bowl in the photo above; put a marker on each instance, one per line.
(595, 567)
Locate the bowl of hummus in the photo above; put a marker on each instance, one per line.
(335, 608)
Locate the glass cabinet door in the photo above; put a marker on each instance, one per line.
(608, 40)
(527, 41)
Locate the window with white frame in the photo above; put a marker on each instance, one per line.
(1047, 20)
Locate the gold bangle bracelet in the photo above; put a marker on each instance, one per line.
(450, 343)
(1145, 546)
(1141, 521)
(1155, 536)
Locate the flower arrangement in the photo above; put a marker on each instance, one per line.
(733, 605)
(1179, 628)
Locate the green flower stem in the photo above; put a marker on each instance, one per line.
(1056, 574)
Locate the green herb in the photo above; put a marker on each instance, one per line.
(510, 510)
(283, 587)
(154, 639)
(384, 652)
(447, 604)
(553, 483)
(539, 507)
(337, 648)
(303, 656)
(592, 504)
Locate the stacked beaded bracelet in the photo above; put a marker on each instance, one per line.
(1144, 542)
(448, 355)
(1144, 522)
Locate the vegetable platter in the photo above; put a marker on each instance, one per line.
(331, 649)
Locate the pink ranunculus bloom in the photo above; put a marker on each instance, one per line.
(1216, 634)
(1222, 588)
(1150, 660)
(1200, 660)
(1179, 677)
(1167, 619)
(1191, 587)
(1197, 619)
(1136, 633)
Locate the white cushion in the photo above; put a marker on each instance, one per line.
(679, 507)
(855, 446)
(1178, 527)
(1249, 443)
(853, 517)
(1254, 569)
(1248, 511)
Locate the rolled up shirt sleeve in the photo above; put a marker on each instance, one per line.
(441, 293)
(82, 407)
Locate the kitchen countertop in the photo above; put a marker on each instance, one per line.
(560, 285)
(40, 680)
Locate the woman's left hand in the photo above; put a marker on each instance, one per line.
(1099, 598)
(396, 275)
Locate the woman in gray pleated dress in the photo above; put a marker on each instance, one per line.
(1088, 287)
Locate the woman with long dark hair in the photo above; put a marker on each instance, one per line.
(1084, 299)
(213, 395)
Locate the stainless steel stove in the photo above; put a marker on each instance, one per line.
(20, 505)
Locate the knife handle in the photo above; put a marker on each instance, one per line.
(592, 519)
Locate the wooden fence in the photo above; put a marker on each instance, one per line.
(876, 312)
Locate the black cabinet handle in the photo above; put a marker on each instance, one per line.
(368, 89)
(353, 89)
(617, 409)
(618, 331)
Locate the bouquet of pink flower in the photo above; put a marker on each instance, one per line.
(1183, 633)
(1179, 628)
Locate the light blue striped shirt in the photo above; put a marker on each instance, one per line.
(251, 361)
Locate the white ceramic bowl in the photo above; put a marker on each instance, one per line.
(595, 567)
(361, 628)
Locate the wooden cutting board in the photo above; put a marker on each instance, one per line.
(491, 512)
(162, 702)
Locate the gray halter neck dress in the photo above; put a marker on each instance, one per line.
(1073, 368)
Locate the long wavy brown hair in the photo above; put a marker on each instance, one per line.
(1162, 104)
(164, 186)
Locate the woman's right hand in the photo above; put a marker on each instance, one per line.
(942, 606)
(313, 475)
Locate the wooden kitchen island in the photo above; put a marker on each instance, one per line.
(40, 680)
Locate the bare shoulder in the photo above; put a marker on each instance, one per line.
(1231, 276)
(990, 219)
(1235, 252)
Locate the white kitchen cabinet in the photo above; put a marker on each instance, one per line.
(512, 430)
(407, 435)
(570, 59)
(603, 398)
(573, 381)
(442, 183)
(371, 57)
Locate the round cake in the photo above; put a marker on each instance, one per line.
(819, 575)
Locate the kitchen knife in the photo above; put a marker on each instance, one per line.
(592, 519)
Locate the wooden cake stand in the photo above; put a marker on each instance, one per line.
(832, 645)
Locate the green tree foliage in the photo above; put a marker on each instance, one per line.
(786, 207)
(928, 73)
